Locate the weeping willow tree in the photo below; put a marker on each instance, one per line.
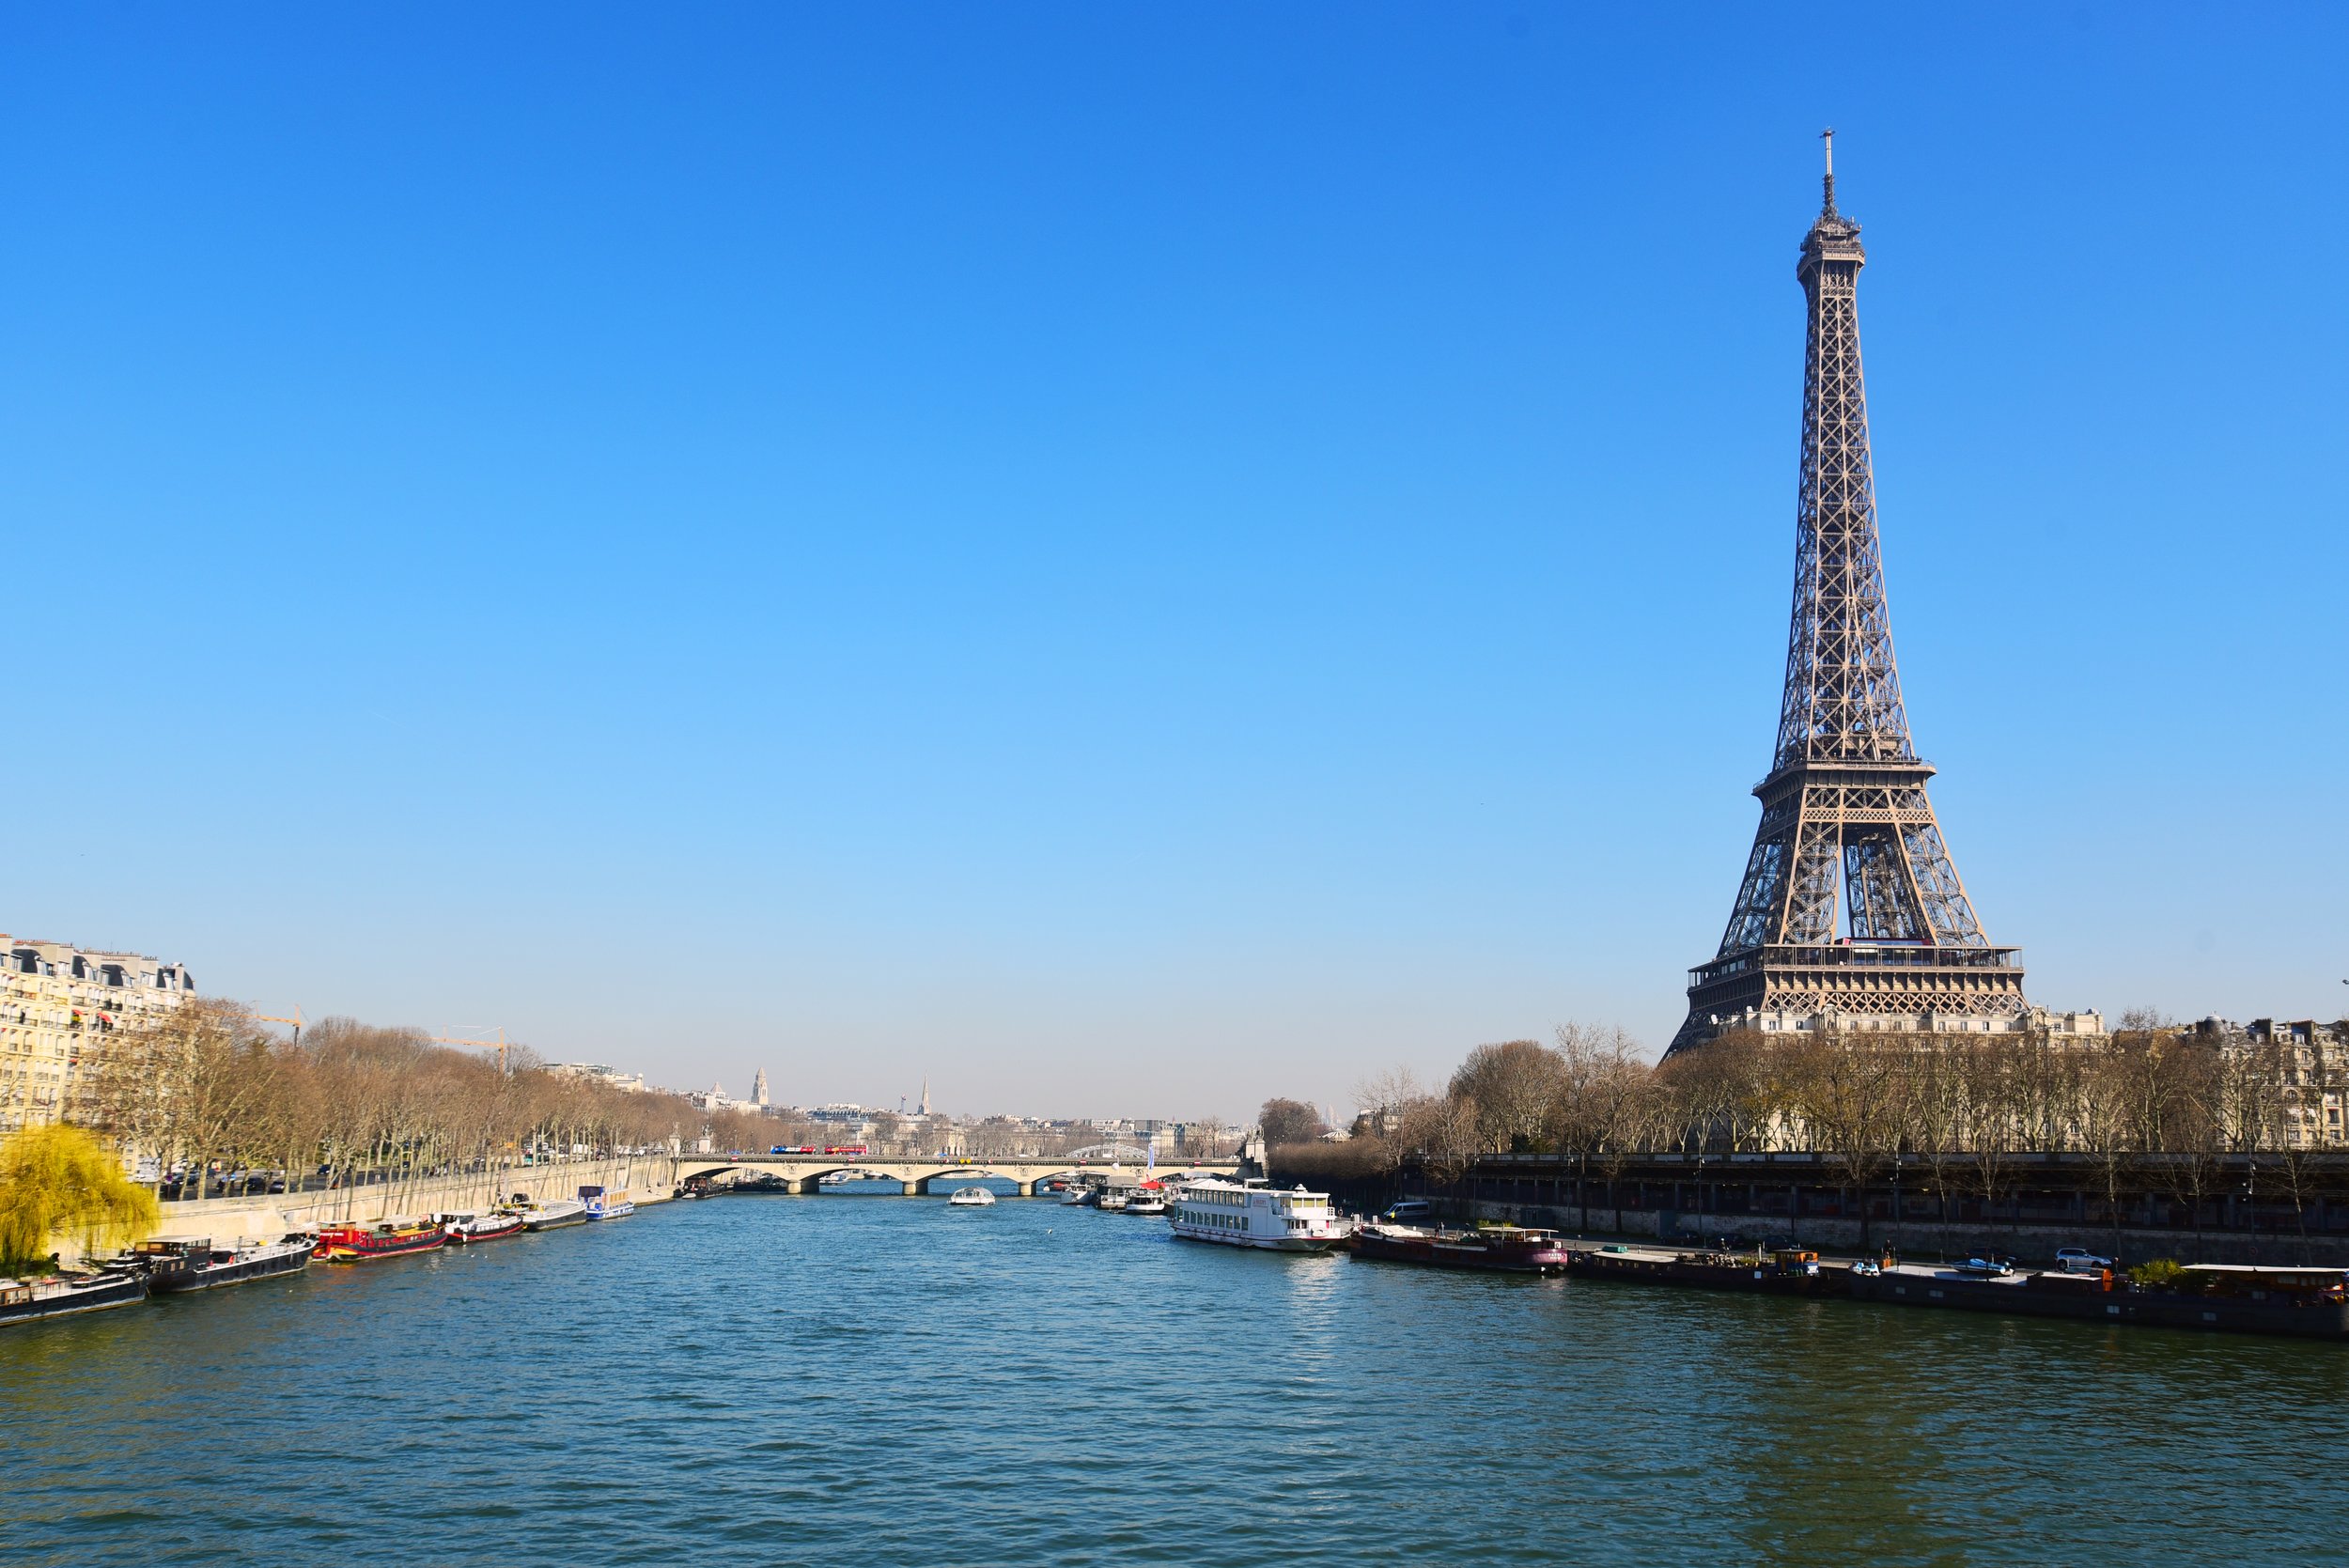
(58, 1181)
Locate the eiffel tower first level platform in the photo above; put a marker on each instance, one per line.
(1911, 948)
(1851, 903)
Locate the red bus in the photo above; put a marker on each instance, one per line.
(852, 1150)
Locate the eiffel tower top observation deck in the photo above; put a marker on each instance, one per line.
(1843, 809)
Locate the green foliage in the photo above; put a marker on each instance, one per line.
(58, 1181)
(2159, 1274)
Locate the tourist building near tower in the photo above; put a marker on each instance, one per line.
(1851, 910)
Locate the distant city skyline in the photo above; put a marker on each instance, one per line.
(1114, 561)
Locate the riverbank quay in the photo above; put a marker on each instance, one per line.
(647, 1178)
(211, 1229)
(2292, 1302)
(2265, 1209)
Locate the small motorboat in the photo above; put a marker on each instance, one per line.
(1149, 1202)
(1077, 1195)
(1115, 1203)
(194, 1263)
(466, 1229)
(377, 1238)
(61, 1295)
(971, 1198)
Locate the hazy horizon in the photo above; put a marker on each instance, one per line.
(1129, 562)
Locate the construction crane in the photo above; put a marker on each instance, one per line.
(499, 1045)
(296, 1021)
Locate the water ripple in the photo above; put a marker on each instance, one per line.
(831, 1380)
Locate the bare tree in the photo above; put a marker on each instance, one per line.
(1285, 1121)
(1594, 1102)
(1385, 1103)
(1846, 1088)
(1443, 1132)
(1513, 1084)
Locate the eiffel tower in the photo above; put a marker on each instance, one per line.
(1844, 810)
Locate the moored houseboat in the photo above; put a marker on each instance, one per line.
(606, 1204)
(2241, 1298)
(377, 1238)
(1783, 1271)
(174, 1264)
(552, 1214)
(1393, 1243)
(1499, 1248)
(1252, 1214)
(64, 1294)
(466, 1229)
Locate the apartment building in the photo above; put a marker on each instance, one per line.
(58, 1002)
(2292, 1076)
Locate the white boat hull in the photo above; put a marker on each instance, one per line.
(1264, 1244)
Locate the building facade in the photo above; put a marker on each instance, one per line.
(2036, 1022)
(2288, 1081)
(58, 1004)
(597, 1072)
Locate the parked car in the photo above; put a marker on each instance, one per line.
(2080, 1260)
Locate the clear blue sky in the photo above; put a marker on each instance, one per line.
(1131, 558)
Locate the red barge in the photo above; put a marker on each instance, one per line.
(377, 1238)
(1497, 1248)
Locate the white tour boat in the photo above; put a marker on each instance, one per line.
(606, 1204)
(971, 1198)
(1251, 1213)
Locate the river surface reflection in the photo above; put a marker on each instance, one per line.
(835, 1381)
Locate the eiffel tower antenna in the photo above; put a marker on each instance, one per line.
(1844, 817)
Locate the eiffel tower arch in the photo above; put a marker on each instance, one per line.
(1851, 903)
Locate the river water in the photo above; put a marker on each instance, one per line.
(836, 1380)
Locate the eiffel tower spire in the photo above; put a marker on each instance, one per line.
(1844, 810)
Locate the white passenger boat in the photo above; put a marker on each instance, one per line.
(1252, 1214)
(971, 1198)
(1146, 1202)
(606, 1204)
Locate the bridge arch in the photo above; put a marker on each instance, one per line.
(805, 1175)
(921, 1174)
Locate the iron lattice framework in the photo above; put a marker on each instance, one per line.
(1845, 816)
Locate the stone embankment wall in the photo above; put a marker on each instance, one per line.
(647, 1178)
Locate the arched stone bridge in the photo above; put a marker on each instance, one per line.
(914, 1177)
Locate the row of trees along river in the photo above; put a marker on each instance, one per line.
(2149, 1106)
(208, 1087)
